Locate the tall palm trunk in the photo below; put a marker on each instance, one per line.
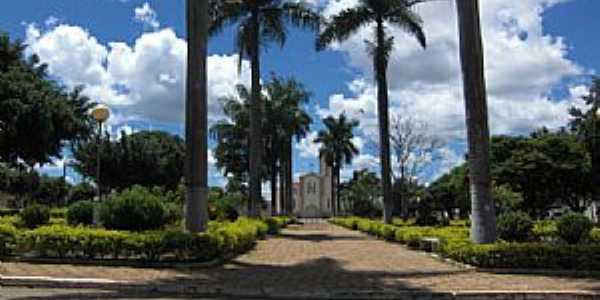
(596, 157)
(273, 183)
(282, 201)
(384, 127)
(337, 191)
(483, 217)
(333, 190)
(289, 176)
(256, 142)
(196, 212)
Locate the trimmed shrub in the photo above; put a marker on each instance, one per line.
(526, 256)
(133, 209)
(515, 226)
(62, 241)
(545, 230)
(81, 212)
(8, 238)
(574, 228)
(35, 215)
(595, 235)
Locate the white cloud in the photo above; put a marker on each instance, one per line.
(307, 147)
(523, 64)
(145, 80)
(147, 16)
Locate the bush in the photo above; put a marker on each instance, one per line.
(574, 228)
(35, 215)
(545, 230)
(62, 241)
(8, 237)
(515, 226)
(81, 212)
(81, 192)
(133, 209)
(58, 213)
(525, 256)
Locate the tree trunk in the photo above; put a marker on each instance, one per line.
(196, 211)
(282, 201)
(333, 190)
(384, 129)
(256, 141)
(483, 216)
(596, 158)
(337, 191)
(289, 176)
(273, 185)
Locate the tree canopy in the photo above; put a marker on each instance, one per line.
(37, 115)
(146, 158)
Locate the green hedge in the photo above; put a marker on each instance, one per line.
(62, 241)
(526, 255)
(455, 244)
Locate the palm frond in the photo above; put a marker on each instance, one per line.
(343, 25)
(405, 18)
(301, 16)
(224, 13)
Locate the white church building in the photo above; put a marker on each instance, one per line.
(311, 196)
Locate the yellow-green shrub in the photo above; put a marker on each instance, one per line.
(62, 241)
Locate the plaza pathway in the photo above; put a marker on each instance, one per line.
(316, 259)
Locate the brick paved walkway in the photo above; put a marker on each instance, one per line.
(320, 257)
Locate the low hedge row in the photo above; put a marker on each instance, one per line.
(62, 241)
(455, 244)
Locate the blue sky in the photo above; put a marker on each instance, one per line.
(538, 54)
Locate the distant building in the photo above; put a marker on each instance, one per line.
(311, 196)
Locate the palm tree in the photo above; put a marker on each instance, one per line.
(260, 22)
(337, 148)
(398, 13)
(287, 119)
(283, 120)
(483, 217)
(196, 211)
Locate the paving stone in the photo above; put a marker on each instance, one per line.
(320, 259)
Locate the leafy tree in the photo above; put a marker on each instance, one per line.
(546, 169)
(361, 194)
(259, 22)
(146, 158)
(483, 217)
(586, 124)
(337, 148)
(398, 13)
(37, 115)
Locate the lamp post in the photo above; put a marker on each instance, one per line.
(100, 113)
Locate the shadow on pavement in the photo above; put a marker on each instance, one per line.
(322, 276)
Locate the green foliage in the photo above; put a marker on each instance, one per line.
(574, 228)
(224, 206)
(455, 244)
(275, 224)
(35, 215)
(82, 191)
(133, 209)
(545, 230)
(61, 241)
(37, 114)
(8, 237)
(52, 191)
(515, 226)
(526, 256)
(360, 194)
(81, 212)
(146, 158)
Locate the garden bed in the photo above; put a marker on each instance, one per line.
(455, 245)
(70, 244)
